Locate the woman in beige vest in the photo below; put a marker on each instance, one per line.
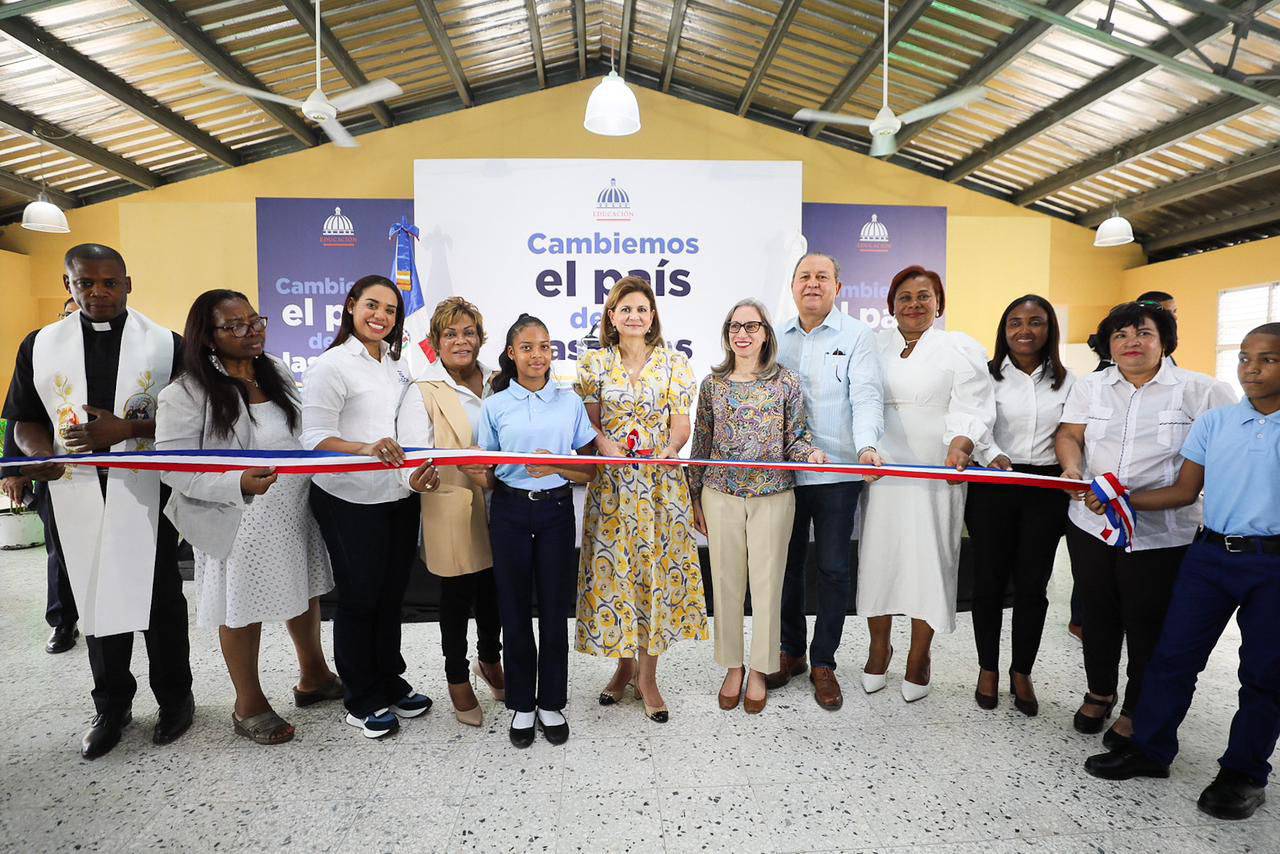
(455, 530)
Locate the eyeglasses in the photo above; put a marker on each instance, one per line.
(243, 328)
(751, 327)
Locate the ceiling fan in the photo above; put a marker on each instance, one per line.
(885, 126)
(318, 107)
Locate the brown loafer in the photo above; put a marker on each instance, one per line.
(826, 690)
(788, 666)
(755, 707)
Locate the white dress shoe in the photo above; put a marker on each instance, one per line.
(873, 682)
(912, 692)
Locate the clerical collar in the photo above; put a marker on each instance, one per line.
(105, 326)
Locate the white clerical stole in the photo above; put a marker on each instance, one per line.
(109, 544)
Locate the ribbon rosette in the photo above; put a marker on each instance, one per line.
(1121, 517)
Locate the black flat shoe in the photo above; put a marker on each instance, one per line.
(1113, 740)
(1092, 726)
(1231, 796)
(172, 723)
(554, 733)
(104, 733)
(522, 737)
(1030, 708)
(1124, 765)
(61, 639)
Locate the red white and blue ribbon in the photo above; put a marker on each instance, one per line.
(328, 462)
(1121, 517)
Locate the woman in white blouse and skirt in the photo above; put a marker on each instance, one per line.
(351, 396)
(938, 402)
(1014, 530)
(258, 552)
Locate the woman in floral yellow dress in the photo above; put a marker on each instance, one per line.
(639, 582)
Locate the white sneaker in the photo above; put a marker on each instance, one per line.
(912, 692)
(380, 723)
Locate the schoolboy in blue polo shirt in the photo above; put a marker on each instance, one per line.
(531, 525)
(1233, 454)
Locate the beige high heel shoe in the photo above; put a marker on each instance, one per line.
(499, 694)
(473, 716)
(657, 714)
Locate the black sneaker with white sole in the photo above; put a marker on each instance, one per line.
(411, 705)
(380, 723)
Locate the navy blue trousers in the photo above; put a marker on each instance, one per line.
(830, 507)
(532, 545)
(1212, 585)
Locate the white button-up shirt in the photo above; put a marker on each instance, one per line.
(348, 394)
(1137, 434)
(1028, 411)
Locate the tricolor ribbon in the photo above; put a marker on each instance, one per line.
(1121, 517)
(329, 462)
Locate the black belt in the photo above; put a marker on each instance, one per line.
(1239, 544)
(565, 491)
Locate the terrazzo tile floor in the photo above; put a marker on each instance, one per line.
(939, 775)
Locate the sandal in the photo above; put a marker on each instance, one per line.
(264, 728)
(333, 691)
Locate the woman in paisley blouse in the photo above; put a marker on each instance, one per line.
(749, 408)
(639, 582)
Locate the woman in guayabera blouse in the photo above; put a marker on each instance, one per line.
(749, 408)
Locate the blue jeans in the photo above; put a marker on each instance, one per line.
(1212, 585)
(830, 507)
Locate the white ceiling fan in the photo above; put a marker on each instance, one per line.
(885, 126)
(318, 107)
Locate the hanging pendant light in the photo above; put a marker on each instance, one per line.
(42, 214)
(612, 109)
(1115, 231)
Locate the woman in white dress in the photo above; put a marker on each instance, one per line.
(259, 556)
(938, 401)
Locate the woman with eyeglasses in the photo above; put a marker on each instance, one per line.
(749, 408)
(259, 556)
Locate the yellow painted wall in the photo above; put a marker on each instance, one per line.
(1195, 282)
(19, 315)
(188, 237)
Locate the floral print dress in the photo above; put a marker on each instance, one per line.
(639, 581)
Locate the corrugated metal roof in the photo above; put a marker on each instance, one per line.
(1071, 127)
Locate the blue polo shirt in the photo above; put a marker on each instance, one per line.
(1239, 448)
(524, 421)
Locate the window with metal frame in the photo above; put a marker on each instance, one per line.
(1240, 310)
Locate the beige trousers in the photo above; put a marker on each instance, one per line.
(748, 538)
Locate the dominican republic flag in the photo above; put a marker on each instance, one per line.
(1121, 517)
(417, 321)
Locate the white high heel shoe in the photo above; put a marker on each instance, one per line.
(873, 682)
(912, 692)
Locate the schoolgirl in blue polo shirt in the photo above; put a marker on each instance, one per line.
(1233, 454)
(531, 525)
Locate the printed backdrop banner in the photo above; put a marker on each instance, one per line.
(873, 243)
(310, 253)
(550, 237)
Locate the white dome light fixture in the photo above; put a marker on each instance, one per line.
(612, 109)
(1115, 231)
(44, 215)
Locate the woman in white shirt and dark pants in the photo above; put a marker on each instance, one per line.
(1014, 530)
(1129, 419)
(351, 395)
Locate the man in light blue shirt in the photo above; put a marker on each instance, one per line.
(836, 359)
